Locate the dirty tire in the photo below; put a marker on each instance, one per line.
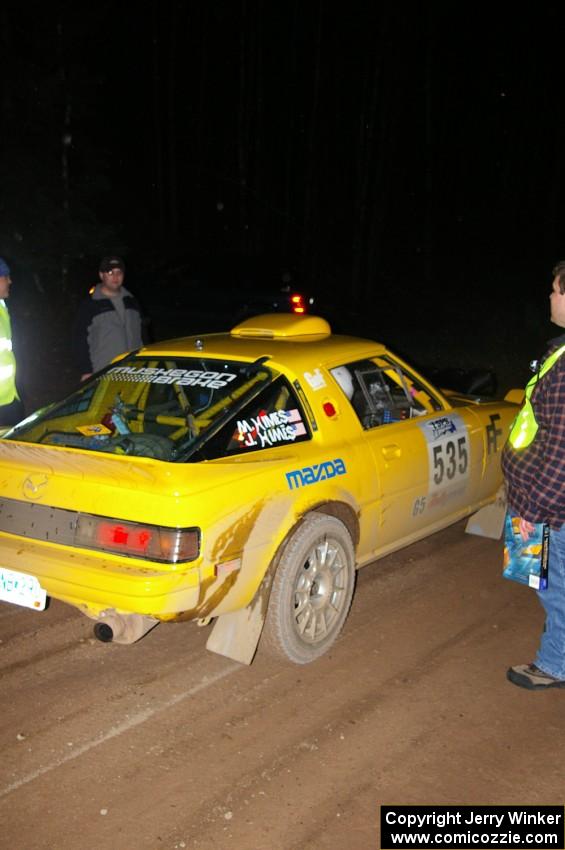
(312, 590)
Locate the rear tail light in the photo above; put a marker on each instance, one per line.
(138, 540)
(297, 302)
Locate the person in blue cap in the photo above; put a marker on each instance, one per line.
(11, 408)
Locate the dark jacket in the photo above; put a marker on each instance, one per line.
(102, 331)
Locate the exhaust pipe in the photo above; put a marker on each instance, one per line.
(122, 628)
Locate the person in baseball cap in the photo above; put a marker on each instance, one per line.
(4, 268)
(108, 322)
(108, 264)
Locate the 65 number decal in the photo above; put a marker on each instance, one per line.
(450, 460)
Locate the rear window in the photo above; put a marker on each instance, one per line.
(271, 418)
(174, 409)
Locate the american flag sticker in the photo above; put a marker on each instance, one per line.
(295, 418)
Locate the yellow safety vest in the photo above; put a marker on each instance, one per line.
(525, 426)
(8, 390)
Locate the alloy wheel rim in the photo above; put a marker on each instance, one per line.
(320, 591)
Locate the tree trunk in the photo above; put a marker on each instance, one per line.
(292, 73)
(157, 165)
(65, 141)
(309, 260)
(171, 122)
(243, 125)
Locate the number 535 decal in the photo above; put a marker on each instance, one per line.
(450, 459)
(448, 450)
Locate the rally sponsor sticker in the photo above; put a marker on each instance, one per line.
(449, 457)
(318, 472)
(95, 430)
(315, 379)
(179, 377)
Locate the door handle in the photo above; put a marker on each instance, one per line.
(391, 452)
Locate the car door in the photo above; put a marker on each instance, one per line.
(427, 456)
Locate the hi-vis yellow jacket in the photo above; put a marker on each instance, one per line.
(8, 390)
(525, 426)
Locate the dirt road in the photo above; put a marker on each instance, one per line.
(163, 745)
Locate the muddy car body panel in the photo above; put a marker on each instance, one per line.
(173, 482)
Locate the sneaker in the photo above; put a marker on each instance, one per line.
(531, 677)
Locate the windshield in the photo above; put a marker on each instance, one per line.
(165, 408)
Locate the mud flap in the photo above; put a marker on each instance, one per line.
(236, 635)
(489, 521)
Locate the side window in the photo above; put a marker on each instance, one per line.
(274, 418)
(381, 392)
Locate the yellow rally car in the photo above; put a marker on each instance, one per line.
(238, 477)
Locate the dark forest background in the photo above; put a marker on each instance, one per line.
(404, 160)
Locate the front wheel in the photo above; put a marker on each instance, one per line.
(312, 590)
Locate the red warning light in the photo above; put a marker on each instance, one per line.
(329, 409)
(297, 302)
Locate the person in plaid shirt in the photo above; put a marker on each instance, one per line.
(535, 483)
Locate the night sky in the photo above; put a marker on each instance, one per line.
(403, 159)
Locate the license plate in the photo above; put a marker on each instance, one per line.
(21, 589)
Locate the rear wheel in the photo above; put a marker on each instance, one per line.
(312, 590)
